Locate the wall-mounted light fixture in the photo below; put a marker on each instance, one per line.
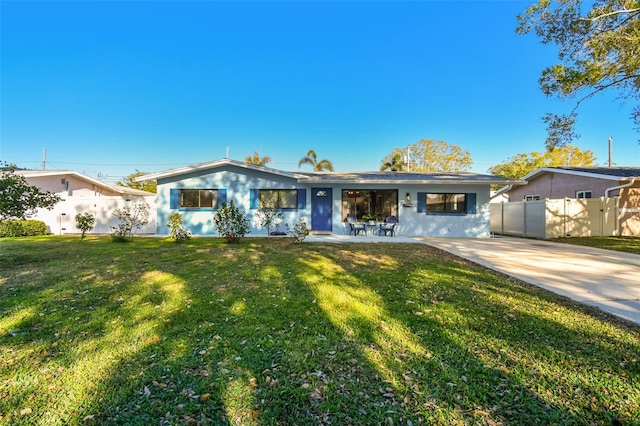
(407, 200)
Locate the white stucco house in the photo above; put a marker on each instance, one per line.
(425, 204)
(82, 194)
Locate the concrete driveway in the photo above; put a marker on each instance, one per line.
(607, 279)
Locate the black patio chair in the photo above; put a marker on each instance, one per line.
(355, 227)
(389, 226)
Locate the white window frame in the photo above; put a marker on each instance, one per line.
(582, 194)
(531, 198)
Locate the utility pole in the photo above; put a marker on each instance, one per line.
(44, 158)
(610, 151)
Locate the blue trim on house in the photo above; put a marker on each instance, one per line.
(422, 202)
(302, 199)
(470, 198)
(254, 198)
(174, 198)
(222, 197)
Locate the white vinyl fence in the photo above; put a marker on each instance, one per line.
(567, 217)
(62, 219)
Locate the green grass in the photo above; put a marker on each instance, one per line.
(269, 332)
(626, 244)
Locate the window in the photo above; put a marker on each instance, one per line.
(446, 203)
(369, 202)
(278, 198)
(198, 198)
(583, 194)
(531, 198)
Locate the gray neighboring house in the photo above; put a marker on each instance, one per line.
(425, 204)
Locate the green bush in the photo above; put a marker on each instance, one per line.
(22, 228)
(231, 222)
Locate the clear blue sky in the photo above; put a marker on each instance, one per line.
(111, 87)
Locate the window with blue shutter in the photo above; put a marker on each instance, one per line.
(446, 203)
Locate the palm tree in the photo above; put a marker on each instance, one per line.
(318, 166)
(256, 160)
(394, 162)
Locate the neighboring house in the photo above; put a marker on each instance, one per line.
(82, 194)
(426, 204)
(583, 183)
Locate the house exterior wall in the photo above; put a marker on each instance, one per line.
(61, 220)
(560, 185)
(81, 196)
(238, 183)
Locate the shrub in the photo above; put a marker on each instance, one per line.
(269, 214)
(131, 219)
(298, 231)
(85, 223)
(231, 222)
(22, 228)
(176, 230)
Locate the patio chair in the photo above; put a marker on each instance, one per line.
(355, 227)
(389, 226)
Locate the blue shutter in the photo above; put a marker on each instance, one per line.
(422, 202)
(302, 199)
(254, 198)
(471, 203)
(174, 198)
(222, 197)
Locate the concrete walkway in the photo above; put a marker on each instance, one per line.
(607, 279)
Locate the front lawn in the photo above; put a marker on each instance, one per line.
(626, 244)
(270, 332)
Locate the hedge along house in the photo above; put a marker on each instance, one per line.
(425, 204)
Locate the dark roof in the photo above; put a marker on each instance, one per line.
(346, 177)
(608, 171)
(402, 177)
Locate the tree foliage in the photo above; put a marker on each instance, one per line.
(19, 200)
(597, 49)
(131, 218)
(394, 162)
(521, 165)
(85, 223)
(130, 182)
(428, 155)
(312, 159)
(256, 160)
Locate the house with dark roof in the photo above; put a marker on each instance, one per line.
(424, 204)
(586, 182)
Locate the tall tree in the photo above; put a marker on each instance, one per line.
(256, 160)
(18, 199)
(130, 182)
(597, 49)
(521, 165)
(428, 155)
(312, 159)
(395, 161)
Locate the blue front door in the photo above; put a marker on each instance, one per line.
(321, 201)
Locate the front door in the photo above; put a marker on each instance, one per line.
(321, 202)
